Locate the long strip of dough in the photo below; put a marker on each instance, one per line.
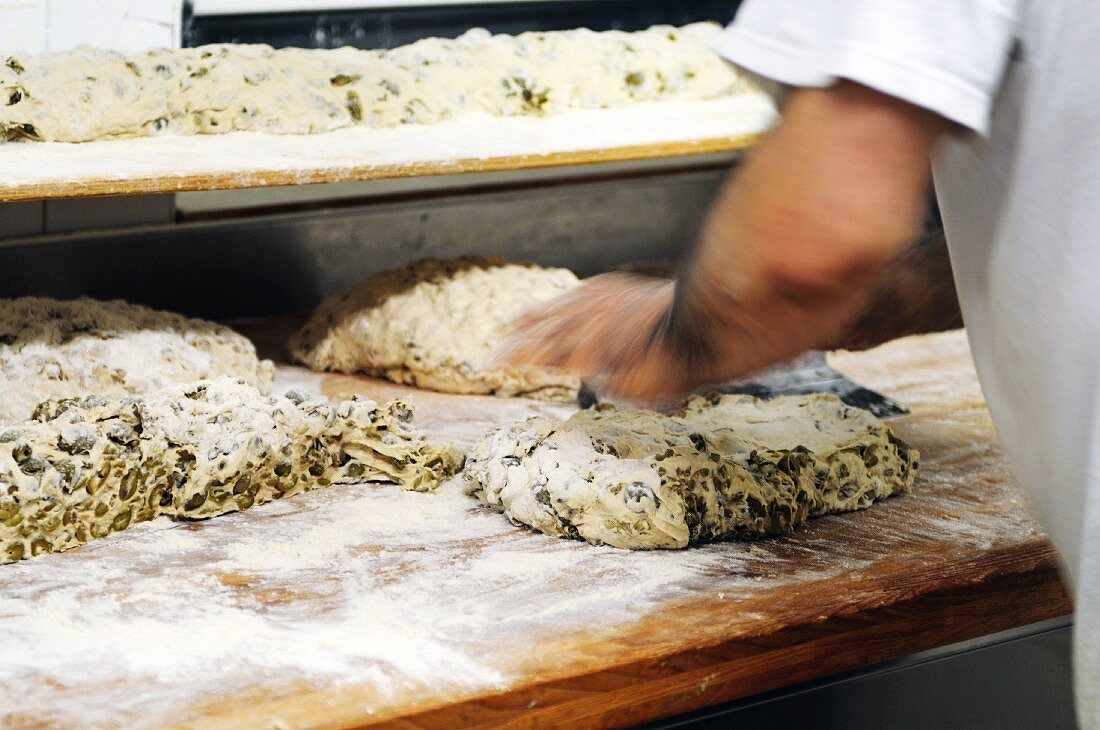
(88, 94)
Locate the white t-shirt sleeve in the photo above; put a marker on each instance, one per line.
(944, 55)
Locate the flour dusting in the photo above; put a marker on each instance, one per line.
(352, 585)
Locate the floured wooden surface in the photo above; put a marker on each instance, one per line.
(350, 605)
(473, 143)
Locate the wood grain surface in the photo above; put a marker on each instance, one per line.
(477, 143)
(353, 607)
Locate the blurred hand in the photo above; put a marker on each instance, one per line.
(639, 339)
(787, 257)
(613, 328)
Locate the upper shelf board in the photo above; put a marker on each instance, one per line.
(474, 143)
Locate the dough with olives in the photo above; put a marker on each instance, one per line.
(722, 467)
(433, 324)
(88, 94)
(86, 467)
(59, 349)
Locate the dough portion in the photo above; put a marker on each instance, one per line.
(723, 467)
(433, 323)
(88, 94)
(87, 467)
(60, 349)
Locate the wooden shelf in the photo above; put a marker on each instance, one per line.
(477, 143)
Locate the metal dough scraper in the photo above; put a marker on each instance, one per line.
(807, 373)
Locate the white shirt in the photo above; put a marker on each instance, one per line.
(1020, 196)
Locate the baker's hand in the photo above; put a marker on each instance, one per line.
(623, 332)
(609, 327)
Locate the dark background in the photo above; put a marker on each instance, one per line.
(390, 27)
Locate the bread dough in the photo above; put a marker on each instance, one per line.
(59, 349)
(91, 466)
(88, 94)
(433, 323)
(725, 466)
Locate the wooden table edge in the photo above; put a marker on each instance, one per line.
(702, 676)
(245, 178)
(1017, 590)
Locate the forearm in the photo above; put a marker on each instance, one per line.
(792, 246)
(914, 293)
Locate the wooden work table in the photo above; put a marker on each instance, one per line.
(357, 605)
